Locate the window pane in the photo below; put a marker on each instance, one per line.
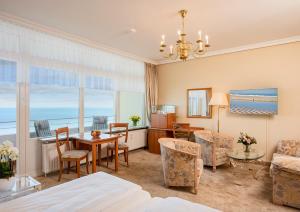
(132, 103)
(8, 112)
(98, 103)
(54, 96)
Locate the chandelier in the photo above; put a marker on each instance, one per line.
(184, 49)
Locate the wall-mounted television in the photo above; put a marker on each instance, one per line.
(254, 101)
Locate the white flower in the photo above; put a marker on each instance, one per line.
(8, 151)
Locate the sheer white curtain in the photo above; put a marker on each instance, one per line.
(32, 47)
(7, 71)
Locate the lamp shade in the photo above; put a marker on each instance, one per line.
(219, 99)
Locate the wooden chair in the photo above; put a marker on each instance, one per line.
(182, 131)
(121, 145)
(69, 155)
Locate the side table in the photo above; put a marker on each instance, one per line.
(24, 185)
(240, 157)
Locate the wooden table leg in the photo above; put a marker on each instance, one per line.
(99, 154)
(116, 155)
(94, 157)
(76, 144)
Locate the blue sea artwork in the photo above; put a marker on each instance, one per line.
(254, 101)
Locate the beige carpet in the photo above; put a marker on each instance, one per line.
(228, 189)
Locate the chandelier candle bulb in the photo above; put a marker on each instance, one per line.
(207, 44)
(171, 49)
(163, 38)
(200, 35)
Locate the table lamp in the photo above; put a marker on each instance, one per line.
(220, 100)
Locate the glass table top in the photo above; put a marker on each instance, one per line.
(242, 155)
(22, 184)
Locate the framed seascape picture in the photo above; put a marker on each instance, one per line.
(254, 101)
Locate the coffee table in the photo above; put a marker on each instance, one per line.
(240, 157)
(23, 185)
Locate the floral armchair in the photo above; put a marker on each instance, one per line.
(182, 163)
(285, 171)
(214, 147)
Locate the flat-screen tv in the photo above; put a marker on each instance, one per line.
(254, 101)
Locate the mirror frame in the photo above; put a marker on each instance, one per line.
(209, 92)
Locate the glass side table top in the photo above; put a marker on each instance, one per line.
(23, 185)
(242, 155)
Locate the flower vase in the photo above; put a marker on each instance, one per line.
(247, 148)
(134, 123)
(7, 184)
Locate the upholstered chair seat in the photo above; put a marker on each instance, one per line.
(182, 163)
(74, 153)
(121, 145)
(285, 171)
(214, 147)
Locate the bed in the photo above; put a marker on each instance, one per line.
(99, 192)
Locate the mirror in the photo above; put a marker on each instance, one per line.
(197, 103)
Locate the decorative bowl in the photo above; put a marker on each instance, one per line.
(95, 133)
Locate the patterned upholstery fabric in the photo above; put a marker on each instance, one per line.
(42, 128)
(121, 145)
(182, 164)
(289, 147)
(99, 123)
(74, 153)
(285, 170)
(214, 147)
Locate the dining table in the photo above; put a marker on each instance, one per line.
(94, 142)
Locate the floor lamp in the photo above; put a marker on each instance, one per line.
(219, 100)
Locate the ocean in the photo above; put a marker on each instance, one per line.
(57, 117)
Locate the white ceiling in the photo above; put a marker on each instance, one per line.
(229, 23)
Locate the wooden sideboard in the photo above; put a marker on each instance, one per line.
(156, 133)
(163, 121)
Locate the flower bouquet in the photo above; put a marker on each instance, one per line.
(247, 141)
(8, 157)
(135, 119)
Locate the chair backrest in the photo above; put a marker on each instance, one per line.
(99, 122)
(42, 128)
(62, 140)
(289, 147)
(120, 126)
(181, 130)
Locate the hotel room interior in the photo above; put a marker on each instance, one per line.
(139, 105)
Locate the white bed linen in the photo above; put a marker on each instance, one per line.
(173, 204)
(99, 192)
(96, 192)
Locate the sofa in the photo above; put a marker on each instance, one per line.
(182, 163)
(285, 171)
(214, 147)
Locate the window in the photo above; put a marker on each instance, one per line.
(132, 103)
(99, 100)
(8, 110)
(54, 96)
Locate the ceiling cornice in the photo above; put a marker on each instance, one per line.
(58, 33)
(241, 48)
